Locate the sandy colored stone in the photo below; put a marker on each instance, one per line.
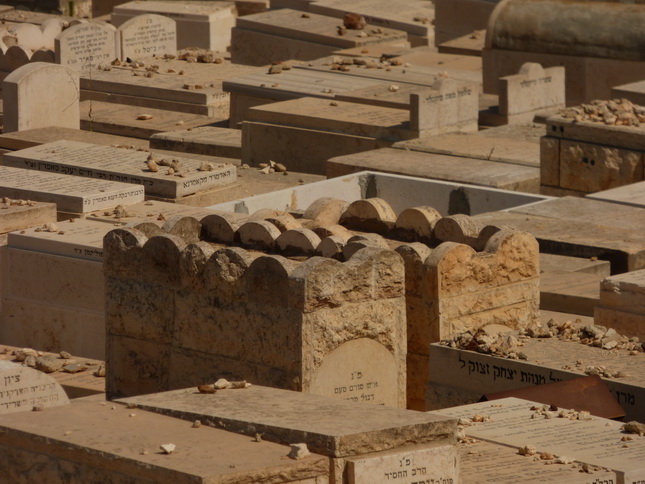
(369, 215)
(298, 241)
(258, 233)
(23, 388)
(417, 223)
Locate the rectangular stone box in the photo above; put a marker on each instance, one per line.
(203, 25)
(206, 140)
(634, 91)
(117, 164)
(478, 373)
(71, 194)
(286, 417)
(16, 217)
(595, 441)
(622, 303)
(632, 194)
(108, 445)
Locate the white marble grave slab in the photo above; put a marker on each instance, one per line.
(119, 164)
(71, 194)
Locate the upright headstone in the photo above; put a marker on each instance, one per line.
(22, 388)
(40, 94)
(532, 89)
(148, 35)
(452, 107)
(85, 46)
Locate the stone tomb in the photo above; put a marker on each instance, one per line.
(86, 46)
(71, 194)
(205, 140)
(584, 157)
(364, 444)
(632, 194)
(490, 463)
(20, 215)
(622, 303)
(92, 440)
(284, 34)
(460, 376)
(532, 91)
(124, 165)
(23, 388)
(147, 35)
(594, 441)
(634, 91)
(296, 351)
(26, 106)
(199, 24)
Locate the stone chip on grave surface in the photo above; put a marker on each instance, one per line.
(95, 161)
(23, 388)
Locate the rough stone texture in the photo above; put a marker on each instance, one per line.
(243, 315)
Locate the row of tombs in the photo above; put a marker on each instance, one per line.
(343, 302)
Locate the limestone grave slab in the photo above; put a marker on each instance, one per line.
(52, 302)
(70, 194)
(419, 464)
(634, 91)
(19, 140)
(64, 441)
(148, 35)
(622, 303)
(318, 30)
(450, 107)
(556, 263)
(470, 44)
(199, 24)
(455, 18)
(16, 216)
(140, 122)
(9, 14)
(117, 164)
(493, 147)
(151, 211)
(632, 194)
(22, 388)
(596, 441)
(549, 361)
(414, 17)
(438, 167)
(26, 107)
(569, 292)
(490, 463)
(533, 89)
(85, 46)
(80, 239)
(205, 140)
(284, 416)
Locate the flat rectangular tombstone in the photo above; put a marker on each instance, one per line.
(148, 35)
(206, 140)
(632, 194)
(71, 194)
(421, 464)
(622, 303)
(489, 463)
(532, 89)
(118, 164)
(596, 441)
(451, 107)
(22, 388)
(17, 216)
(85, 46)
(634, 91)
(81, 239)
(344, 429)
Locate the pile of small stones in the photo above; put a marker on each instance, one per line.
(613, 112)
(7, 202)
(50, 363)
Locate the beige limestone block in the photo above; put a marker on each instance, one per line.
(458, 228)
(221, 227)
(284, 222)
(358, 242)
(298, 241)
(331, 246)
(258, 233)
(591, 168)
(533, 88)
(549, 161)
(333, 231)
(227, 265)
(369, 215)
(326, 211)
(26, 104)
(624, 322)
(23, 388)
(187, 228)
(417, 223)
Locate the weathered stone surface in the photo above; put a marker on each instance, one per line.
(22, 388)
